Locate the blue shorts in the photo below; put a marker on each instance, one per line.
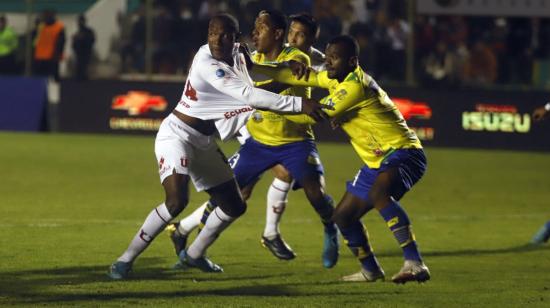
(411, 163)
(300, 158)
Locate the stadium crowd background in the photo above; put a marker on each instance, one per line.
(446, 52)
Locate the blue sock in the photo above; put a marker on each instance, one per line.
(399, 223)
(358, 242)
(325, 210)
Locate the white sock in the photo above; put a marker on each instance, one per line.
(192, 221)
(276, 204)
(215, 224)
(155, 222)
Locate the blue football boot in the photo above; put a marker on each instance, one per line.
(119, 270)
(330, 246)
(202, 263)
(542, 235)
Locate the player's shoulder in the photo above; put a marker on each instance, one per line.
(358, 76)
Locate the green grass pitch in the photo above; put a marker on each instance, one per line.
(70, 204)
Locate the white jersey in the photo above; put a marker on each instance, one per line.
(217, 91)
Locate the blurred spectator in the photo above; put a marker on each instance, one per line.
(187, 41)
(424, 35)
(541, 29)
(481, 67)
(519, 55)
(439, 67)
(8, 45)
(363, 34)
(329, 22)
(166, 54)
(49, 44)
(382, 44)
(83, 43)
(398, 32)
(498, 44)
(291, 7)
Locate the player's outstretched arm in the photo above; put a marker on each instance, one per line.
(272, 86)
(345, 98)
(288, 73)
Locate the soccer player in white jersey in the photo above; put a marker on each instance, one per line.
(302, 34)
(218, 97)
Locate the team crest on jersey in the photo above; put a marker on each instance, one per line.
(220, 73)
(341, 94)
(257, 117)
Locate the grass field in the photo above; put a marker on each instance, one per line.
(71, 203)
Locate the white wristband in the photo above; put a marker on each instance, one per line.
(547, 106)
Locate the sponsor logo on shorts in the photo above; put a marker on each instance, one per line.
(230, 114)
(314, 160)
(162, 167)
(233, 160)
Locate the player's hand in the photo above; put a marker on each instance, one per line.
(540, 114)
(314, 109)
(336, 122)
(299, 69)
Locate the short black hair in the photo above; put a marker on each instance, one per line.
(307, 20)
(278, 19)
(228, 20)
(350, 44)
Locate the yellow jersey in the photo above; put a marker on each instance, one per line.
(274, 129)
(369, 117)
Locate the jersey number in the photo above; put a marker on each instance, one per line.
(190, 93)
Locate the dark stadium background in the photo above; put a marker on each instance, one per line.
(77, 169)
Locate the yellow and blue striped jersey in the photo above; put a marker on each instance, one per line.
(372, 121)
(275, 129)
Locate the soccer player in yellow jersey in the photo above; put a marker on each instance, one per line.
(393, 156)
(277, 141)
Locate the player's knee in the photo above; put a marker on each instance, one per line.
(314, 191)
(240, 209)
(378, 198)
(234, 209)
(176, 205)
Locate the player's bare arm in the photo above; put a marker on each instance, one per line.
(541, 113)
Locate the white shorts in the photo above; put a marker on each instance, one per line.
(181, 149)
